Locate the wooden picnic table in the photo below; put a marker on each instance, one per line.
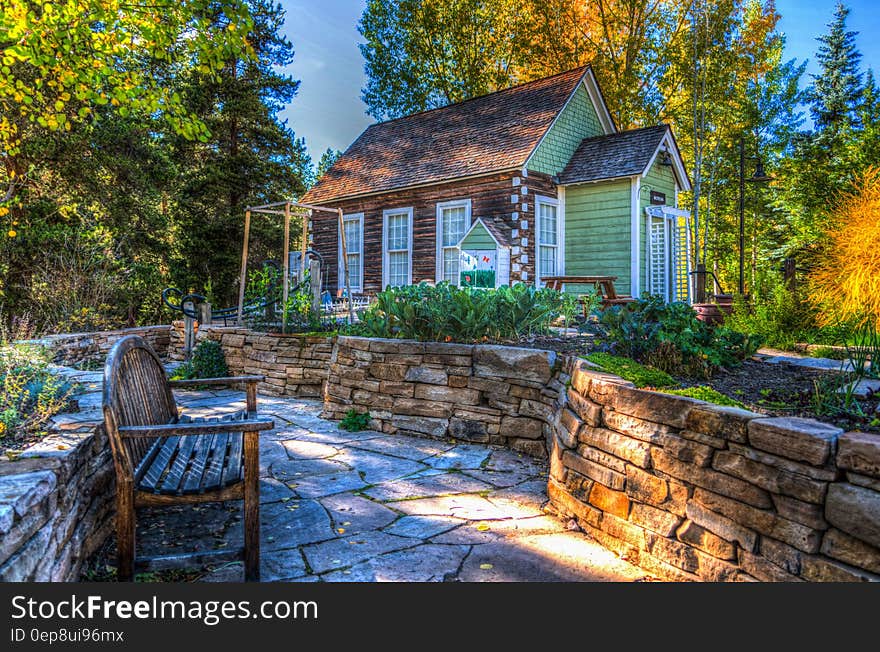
(605, 285)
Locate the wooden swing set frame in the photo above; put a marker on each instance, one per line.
(287, 208)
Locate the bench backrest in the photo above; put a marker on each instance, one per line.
(136, 393)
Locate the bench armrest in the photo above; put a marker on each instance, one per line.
(208, 428)
(216, 381)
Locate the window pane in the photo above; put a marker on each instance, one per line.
(454, 225)
(398, 268)
(547, 217)
(353, 235)
(398, 231)
(354, 270)
(450, 265)
(547, 261)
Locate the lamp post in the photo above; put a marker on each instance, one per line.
(759, 176)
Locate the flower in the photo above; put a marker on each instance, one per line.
(12, 233)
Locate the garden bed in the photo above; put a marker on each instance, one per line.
(787, 390)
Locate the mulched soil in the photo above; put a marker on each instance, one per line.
(579, 344)
(784, 390)
(771, 389)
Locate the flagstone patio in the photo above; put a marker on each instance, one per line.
(363, 506)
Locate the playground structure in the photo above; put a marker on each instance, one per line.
(306, 210)
(195, 307)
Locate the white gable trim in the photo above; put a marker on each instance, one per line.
(598, 101)
(589, 83)
(667, 144)
(479, 220)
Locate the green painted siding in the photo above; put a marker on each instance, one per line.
(597, 231)
(479, 238)
(577, 121)
(662, 179)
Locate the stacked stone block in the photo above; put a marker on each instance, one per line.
(56, 505)
(695, 491)
(477, 393)
(294, 365)
(73, 349)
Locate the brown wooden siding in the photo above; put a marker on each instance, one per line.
(491, 197)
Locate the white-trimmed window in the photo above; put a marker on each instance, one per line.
(453, 221)
(397, 247)
(549, 237)
(354, 246)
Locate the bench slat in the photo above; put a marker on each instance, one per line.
(214, 472)
(232, 470)
(192, 482)
(173, 479)
(152, 476)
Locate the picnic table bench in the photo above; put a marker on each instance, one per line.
(604, 284)
(165, 459)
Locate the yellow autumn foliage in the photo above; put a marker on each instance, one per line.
(846, 286)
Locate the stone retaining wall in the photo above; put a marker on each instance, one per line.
(294, 365)
(694, 491)
(71, 349)
(477, 393)
(56, 501)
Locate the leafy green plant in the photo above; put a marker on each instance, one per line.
(669, 337)
(355, 421)
(448, 313)
(705, 393)
(30, 394)
(208, 361)
(631, 370)
(779, 316)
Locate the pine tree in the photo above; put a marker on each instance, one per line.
(836, 92)
(251, 157)
(328, 158)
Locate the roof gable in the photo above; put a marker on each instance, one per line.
(623, 154)
(480, 230)
(482, 135)
(584, 116)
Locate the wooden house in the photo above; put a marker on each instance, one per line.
(521, 184)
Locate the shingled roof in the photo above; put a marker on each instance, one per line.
(485, 134)
(623, 154)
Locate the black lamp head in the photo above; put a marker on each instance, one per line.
(760, 175)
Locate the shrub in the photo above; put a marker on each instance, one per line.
(669, 337)
(355, 421)
(30, 394)
(630, 370)
(780, 317)
(846, 285)
(448, 313)
(208, 361)
(704, 393)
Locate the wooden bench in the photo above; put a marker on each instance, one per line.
(162, 459)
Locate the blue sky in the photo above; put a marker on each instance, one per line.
(328, 111)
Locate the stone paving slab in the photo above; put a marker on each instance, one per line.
(339, 506)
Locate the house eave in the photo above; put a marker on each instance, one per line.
(427, 184)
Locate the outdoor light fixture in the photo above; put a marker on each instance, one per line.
(666, 160)
(758, 177)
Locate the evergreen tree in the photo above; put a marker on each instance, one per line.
(824, 163)
(251, 158)
(328, 158)
(836, 91)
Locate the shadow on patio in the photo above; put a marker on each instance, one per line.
(362, 506)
